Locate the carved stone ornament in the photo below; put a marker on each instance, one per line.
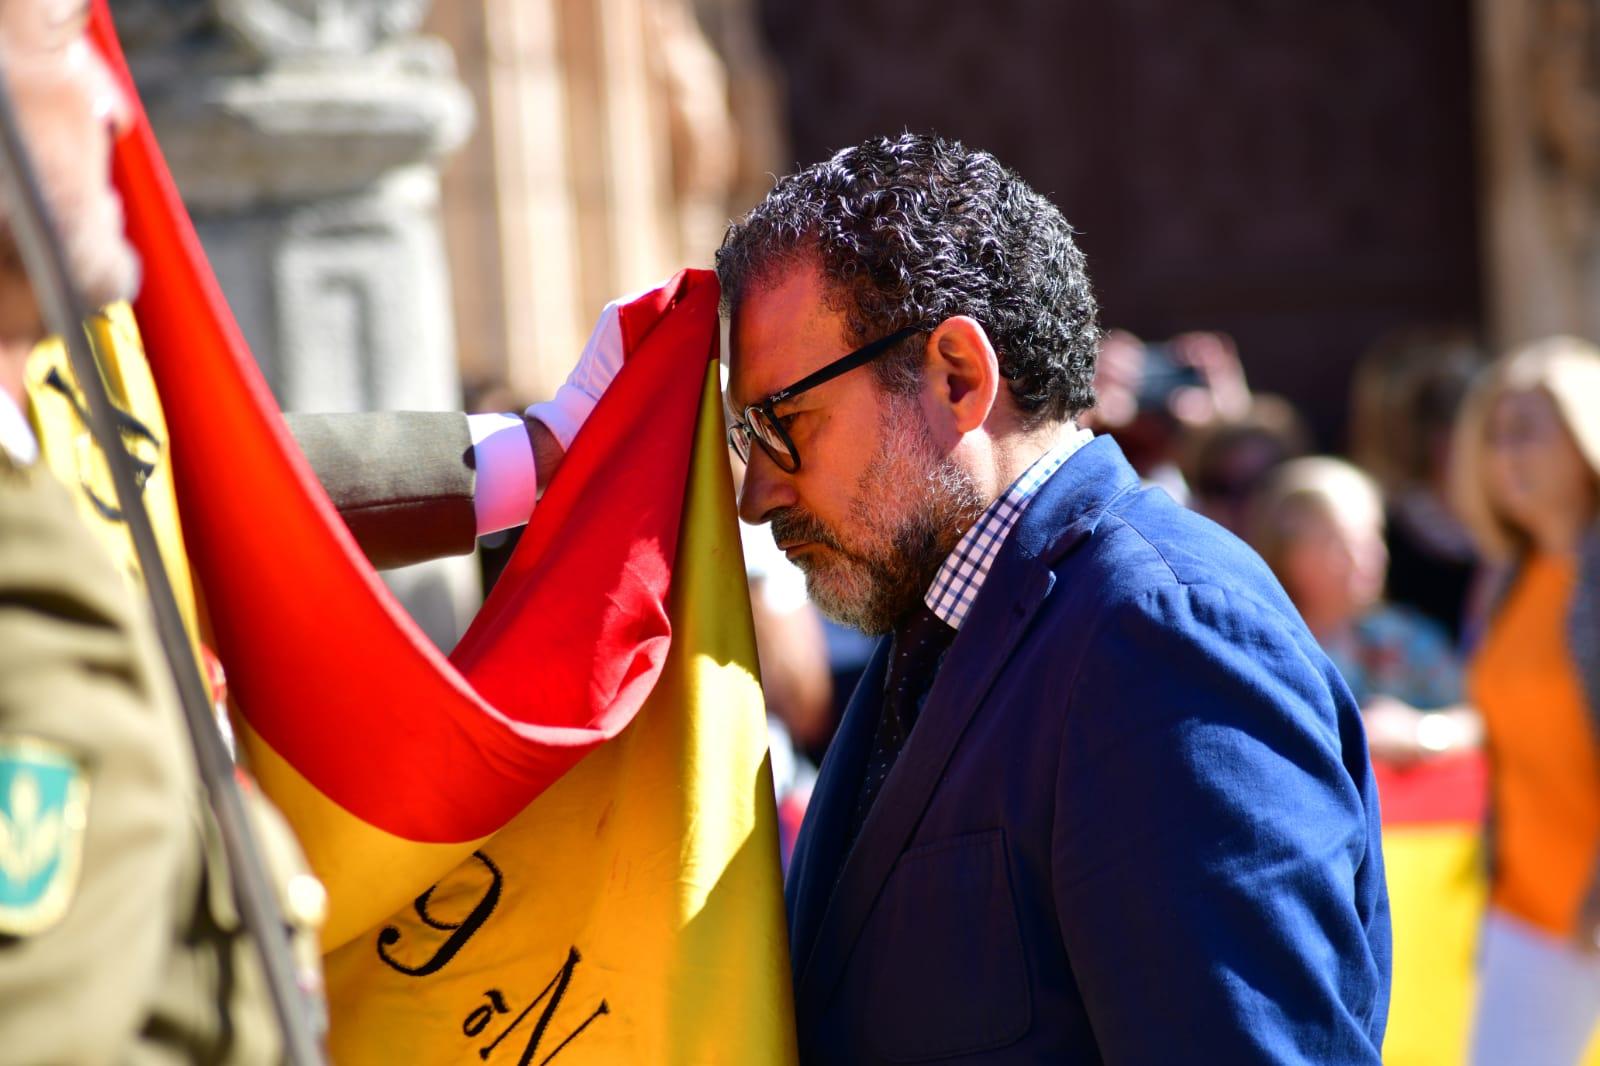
(296, 132)
(277, 28)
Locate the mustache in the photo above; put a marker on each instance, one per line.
(791, 524)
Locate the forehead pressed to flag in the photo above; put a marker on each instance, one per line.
(559, 843)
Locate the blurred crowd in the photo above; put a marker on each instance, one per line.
(1449, 564)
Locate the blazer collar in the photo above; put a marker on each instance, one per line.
(819, 851)
(1071, 502)
(826, 917)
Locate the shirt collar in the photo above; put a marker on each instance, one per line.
(956, 586)
(16, 436)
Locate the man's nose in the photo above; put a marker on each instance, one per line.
(765, 489)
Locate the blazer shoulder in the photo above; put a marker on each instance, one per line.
(1153, 581)
(1145, 541)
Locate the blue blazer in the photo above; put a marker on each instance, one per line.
(1135, 821)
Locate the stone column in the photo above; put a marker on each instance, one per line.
(1539, 108)
(305, 136)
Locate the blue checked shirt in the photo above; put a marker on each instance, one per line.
(959, 579)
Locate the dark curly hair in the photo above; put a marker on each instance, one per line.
(914, 229)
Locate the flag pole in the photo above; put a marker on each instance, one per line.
(42, 255)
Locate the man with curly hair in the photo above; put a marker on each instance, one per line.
(1099, 796)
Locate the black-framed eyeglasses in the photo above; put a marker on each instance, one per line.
(759, 422)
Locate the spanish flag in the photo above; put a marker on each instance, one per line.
(559, 844)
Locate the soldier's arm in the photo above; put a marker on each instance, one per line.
(80, 700)
(417, 485)
(402, 480)
(420, 485)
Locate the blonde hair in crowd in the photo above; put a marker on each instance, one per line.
(1567, 369)
(1321, 486)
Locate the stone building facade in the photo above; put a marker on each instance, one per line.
(1539, 121)
(1308, 177)
(616, 138)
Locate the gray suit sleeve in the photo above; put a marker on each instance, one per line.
(402, 480)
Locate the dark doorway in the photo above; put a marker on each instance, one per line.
(1297, 174)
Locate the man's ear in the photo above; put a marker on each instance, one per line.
(963, 372)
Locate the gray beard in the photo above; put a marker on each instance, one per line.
(913, 503)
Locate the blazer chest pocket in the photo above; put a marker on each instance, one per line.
(942, 954)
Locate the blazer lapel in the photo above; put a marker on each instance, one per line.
(1064, 512)
(819, 851)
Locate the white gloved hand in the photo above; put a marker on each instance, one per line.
(565, 413)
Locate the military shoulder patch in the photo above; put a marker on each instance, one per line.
(44, 807)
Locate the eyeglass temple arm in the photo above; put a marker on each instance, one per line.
(856, 358)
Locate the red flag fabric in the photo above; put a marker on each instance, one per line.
(1449, 790)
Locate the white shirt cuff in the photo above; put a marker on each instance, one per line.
(508, 483)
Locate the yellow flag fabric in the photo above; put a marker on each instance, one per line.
(633, 912)
(1437, 892)
(1436, 896)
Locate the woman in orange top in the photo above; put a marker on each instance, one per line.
(1528, 483)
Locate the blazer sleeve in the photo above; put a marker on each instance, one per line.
(1216, 860)
(402, 480)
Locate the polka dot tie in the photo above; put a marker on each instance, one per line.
(914, 659)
